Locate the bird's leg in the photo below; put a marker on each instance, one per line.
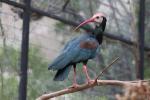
(74, 78)
(87, 76)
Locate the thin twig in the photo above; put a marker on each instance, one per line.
(65, 5)
(106, 68)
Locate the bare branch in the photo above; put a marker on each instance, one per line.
(124, 7)
(74, 23)
(107, 5)
(93, 84)
(90, 7)
(65, 5)
(106, 68)
(3, 34)
(115, 17)
(86, 86)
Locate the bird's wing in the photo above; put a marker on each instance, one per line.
(75, 41)
(67, 56)
(69, 42)
(88, 48)
(77, 50)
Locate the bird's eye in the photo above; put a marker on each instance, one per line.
(97, 17)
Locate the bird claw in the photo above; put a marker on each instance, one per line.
(90, 82)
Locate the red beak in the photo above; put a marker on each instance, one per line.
(83, 23)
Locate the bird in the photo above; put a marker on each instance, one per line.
(79, 50)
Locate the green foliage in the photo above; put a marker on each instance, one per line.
(9, 61)
(9, 57)
(146, 72)
(146, 68)
(10, 88)
(9, 75)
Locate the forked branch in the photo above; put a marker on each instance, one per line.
(106, 68)
(95, 82)
(84, 86)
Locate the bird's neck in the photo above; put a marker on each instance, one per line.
(98, 32)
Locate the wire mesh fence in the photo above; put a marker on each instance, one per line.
(47, 37)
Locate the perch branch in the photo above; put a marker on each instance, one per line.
(86, 86)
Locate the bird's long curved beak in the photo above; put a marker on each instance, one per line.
(83, 23)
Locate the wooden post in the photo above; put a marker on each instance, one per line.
(141, 30)
(24, 52)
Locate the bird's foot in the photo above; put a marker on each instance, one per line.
(74, 85)
(90, 81)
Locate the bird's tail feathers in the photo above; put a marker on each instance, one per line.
(62, 73)
(59, 63)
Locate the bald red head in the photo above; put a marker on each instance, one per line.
(98, 18)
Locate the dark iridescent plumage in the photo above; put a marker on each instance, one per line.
(79, 49)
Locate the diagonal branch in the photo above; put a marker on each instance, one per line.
(93, 84)
(106, 68)
(86, 86)
(65, 5)
(79, 88)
